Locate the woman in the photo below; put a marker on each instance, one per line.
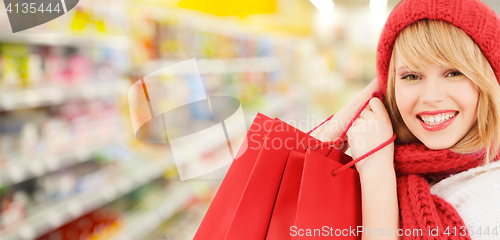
(438, 64)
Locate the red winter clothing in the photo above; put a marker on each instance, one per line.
(474, 17)
(419, 209)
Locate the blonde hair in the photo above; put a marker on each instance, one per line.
(427, 42)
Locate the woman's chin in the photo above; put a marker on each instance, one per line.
(435, 144)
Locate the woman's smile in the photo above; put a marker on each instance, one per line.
(437, 120)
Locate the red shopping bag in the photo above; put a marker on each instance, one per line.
(285, 208)
(251, 219)
(244, 202)
(248, 196)
(314, 202)
(328, 206)
(220, 214)
(307, 180)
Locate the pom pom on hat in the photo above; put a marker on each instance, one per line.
(474, 17)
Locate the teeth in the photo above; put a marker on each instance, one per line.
(437, 119)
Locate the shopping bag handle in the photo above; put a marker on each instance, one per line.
(377, 94)
(341, 138)
(349, 164)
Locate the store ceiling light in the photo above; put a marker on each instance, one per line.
(378, 6)
(324, 6)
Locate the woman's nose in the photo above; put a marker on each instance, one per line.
(432, 91)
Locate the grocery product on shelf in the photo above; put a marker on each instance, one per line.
(242, 64)
(59, 197)
(29, 133)
(13, 207)
(29, 66)
(136, 208)
(30, 196)
(183, 225)
(14, 65)
(58, 110)
(95, 225)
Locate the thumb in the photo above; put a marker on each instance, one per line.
(377, 106)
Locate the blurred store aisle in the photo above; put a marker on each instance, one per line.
(71, 166)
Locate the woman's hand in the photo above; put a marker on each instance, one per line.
(372, 128)
(376, 172)
(332, 130)
(377, 176)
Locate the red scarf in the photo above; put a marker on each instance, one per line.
(418, 208)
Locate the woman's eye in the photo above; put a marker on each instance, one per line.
(455, 73)
(410, 77)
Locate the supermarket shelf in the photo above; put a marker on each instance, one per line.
(52, 95)
(280, 107)
(37, 167)
(190, 222)
(52, 162)
(139, 223)
(64, 39)
(220, 66)
(55, 215)
(207, 23)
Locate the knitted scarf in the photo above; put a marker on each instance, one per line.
(418, 208)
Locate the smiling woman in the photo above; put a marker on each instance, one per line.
(438, 65)
(442, 91)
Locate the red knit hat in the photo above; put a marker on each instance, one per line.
(474, 17)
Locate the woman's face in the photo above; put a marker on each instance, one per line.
(438, 103)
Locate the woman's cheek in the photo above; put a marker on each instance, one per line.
(402, 102)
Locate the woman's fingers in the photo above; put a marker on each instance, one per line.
(377, 106)
(367, 113)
